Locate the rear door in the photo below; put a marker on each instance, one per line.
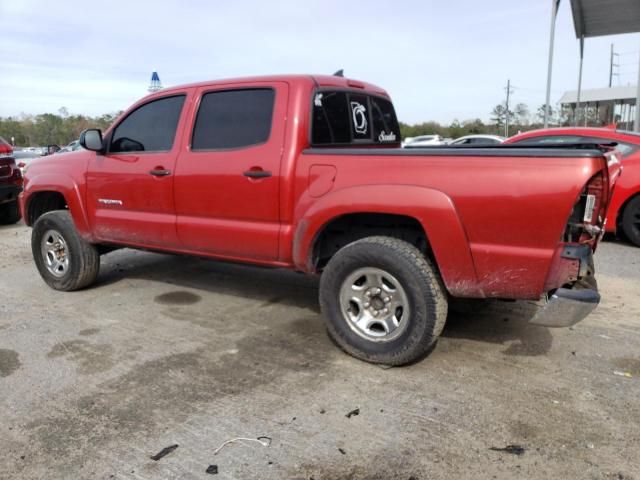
(227, 185)
(130, 187)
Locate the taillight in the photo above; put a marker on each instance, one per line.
(586, 223)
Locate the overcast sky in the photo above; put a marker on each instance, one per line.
(439, 60)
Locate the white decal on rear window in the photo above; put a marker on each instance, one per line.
(386, 137)
(359, 117)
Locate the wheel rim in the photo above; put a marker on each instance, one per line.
(374, 304)
(55, 253)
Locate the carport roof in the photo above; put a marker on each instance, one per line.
(612, 94)
(593, 18)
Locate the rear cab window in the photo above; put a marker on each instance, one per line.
(346, 118)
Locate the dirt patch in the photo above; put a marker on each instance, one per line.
(88, 331)
(90, 357)
(179, 297)
(9, 362)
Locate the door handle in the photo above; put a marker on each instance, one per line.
(257, 173)
(159, 172)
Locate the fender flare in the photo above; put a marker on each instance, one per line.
(433, 209)
(69, 189)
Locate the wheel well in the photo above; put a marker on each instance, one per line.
(43, 202)
(349, 228)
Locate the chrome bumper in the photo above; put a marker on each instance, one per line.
(567, 307)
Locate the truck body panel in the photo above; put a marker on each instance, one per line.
(493, 219)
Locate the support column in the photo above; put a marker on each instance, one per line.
(575, 120)
(554, 14)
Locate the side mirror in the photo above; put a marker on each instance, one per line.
(91, 139)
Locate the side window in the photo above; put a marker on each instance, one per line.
(233, 119)
(149, 128)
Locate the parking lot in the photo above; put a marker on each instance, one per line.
(171, 350)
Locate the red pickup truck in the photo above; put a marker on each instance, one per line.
(306, 173)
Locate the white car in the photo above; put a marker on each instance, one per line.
(423, 141)
(478, 140)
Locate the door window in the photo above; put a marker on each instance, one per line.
(149, 128)
(233, 119)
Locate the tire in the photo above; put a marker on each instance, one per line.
(375, 275)
(631, 221)
(9, 213)
(64, 259)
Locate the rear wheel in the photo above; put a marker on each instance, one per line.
(9, 213)
(631, 221)
(382, 301)
(64, 259)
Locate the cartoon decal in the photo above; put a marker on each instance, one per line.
(317, 101)
(359, 113)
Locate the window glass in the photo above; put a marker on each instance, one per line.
(360, 121)
(330, 118)
(551, 139)
(624, 148)
(340, 118)
(233, 119)
(385, 123)
(149, 128)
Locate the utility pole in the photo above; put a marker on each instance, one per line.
(506, 113)
(611, 65)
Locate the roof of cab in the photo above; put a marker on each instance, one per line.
(318, 80)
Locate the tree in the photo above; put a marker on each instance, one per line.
(499, 115)
(541, 110)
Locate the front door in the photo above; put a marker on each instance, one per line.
(130, 187)
(227, 183)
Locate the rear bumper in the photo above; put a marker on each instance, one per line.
(566, 306)
(9, 193)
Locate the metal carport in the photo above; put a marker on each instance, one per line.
(593, 18)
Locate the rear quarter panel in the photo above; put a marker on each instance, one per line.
(494, 223)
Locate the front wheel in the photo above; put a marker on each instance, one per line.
(382, 301)
(631, 221)
(64, 259)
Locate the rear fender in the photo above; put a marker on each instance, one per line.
(433, 209)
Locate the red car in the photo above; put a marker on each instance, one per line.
(305, 172)
(10, 184)
(624, 210)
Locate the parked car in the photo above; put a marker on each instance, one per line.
(219, 170)
(423, 141)
(10, 184)
(72, 147)
(624, 212)
(478, 140)
(24, 157)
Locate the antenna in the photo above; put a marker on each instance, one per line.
(154, 84)
(339, 73)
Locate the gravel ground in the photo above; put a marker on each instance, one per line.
(172, 350)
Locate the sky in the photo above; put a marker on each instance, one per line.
(439, 60)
